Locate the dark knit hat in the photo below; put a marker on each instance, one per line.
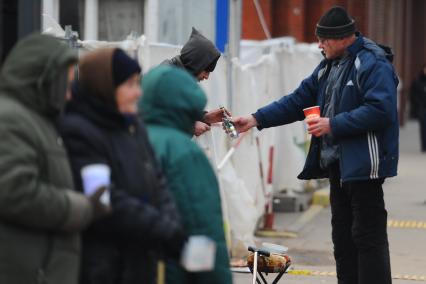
(335, 23)
(123, 67)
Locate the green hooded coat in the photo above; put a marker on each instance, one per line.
(171, 104)
(40, 215)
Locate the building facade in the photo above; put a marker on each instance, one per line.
(400, 24)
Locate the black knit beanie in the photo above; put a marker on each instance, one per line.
(335, 23)
(123, 67)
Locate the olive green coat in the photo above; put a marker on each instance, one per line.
(40, 215)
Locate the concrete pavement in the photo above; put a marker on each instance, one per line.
(405, 197)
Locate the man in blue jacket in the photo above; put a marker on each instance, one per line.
(354, 142)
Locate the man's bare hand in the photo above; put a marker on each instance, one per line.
(200, 128)
(215, 116)
(244, 123)
(318, 126)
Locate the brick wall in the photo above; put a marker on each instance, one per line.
(289, 19)
(296, 18)
(251, 27)
(398, 23)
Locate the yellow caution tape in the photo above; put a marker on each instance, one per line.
(406, 224)
(305, 272)
(299, 272)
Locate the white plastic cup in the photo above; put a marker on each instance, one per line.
(199, 254)
(95, 176)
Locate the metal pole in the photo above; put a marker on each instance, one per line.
(254, 267)
(91, 19)
(151, 20)
(228, 60)
(222, 24)
(232, 48)
(235, 18)
(71, 37)
(50, 8)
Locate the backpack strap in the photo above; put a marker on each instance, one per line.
(388, 52)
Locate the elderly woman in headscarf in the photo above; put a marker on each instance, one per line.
(101, 127)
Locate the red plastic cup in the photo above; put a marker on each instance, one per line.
(312, 112)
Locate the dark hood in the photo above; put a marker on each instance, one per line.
(171, 97)
(35, 73)
(199, 54)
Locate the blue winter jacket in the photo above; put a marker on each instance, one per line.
(365, 124)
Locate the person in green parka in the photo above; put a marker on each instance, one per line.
(40, 213)
(171, 103)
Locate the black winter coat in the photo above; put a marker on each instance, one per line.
(123, 247)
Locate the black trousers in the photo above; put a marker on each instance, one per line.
(422, 120)
(359, 231)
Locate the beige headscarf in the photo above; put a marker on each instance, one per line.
(95, 74)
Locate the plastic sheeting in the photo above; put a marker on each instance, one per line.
(246, 87)
(252, 50)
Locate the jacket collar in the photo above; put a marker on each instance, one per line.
(357, 45)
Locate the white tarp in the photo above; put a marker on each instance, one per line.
(253, 85)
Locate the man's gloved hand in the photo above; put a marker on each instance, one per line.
(99, 209)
